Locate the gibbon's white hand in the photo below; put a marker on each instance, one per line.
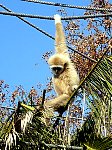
(74, 87)
(57, 18)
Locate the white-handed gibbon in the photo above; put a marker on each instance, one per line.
(65, 77)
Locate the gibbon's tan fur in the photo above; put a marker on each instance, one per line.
(65, 78)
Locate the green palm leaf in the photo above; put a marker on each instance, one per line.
(98, 135)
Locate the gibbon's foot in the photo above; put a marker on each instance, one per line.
(57, 102)
(57, 18)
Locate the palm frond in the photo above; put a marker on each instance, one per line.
(96, 132)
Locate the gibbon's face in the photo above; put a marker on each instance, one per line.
(57, 70)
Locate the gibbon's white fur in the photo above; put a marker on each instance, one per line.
(57, 18)
(65, 78)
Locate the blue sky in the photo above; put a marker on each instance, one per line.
(21, 46)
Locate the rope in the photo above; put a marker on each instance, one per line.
(30, 24)
(52, 18)
(69, 6)
(45, 33)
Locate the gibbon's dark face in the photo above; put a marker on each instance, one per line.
(57, 70)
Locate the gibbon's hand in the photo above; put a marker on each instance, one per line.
(74, 87)
(57, 18)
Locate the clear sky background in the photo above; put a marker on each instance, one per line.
(22, 47)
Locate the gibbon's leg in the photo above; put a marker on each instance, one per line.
(60, 41)
(57, 102)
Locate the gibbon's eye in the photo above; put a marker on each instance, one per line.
(57, 70)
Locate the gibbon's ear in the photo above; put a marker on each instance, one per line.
(60, 41)
(65, 65)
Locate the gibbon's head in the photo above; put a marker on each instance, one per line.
(58, 63)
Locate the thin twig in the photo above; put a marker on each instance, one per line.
(43, 98)
(57, 121)
(10, 116)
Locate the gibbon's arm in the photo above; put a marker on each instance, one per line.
(57, 102)
(60, 41)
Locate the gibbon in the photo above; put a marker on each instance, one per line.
(65, 77)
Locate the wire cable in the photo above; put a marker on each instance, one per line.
(30, 24)
(52, 18)
(69, 6)
(45, 33)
